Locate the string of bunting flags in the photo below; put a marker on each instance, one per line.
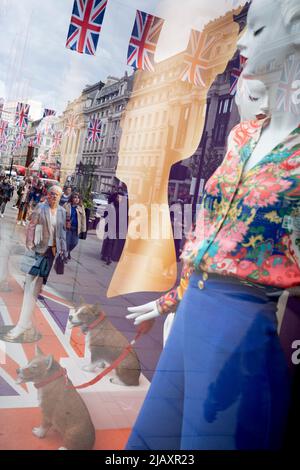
(85, 28)
(83, 36)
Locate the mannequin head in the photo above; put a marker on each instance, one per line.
(251, 99)
(53, 196)
(273, 33)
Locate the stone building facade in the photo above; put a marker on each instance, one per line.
(97, 161)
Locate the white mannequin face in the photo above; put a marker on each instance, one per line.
(267, 41)
(252, 99)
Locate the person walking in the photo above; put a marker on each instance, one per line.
(65, 195)
(6, 193)
(45, 239)
(76, 221)
(23, 204)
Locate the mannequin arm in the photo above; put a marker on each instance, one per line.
(168, 303)
(144, 315)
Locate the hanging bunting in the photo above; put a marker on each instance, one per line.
(48, 112)
(21, 135)
(85, 25)
(71, 125)
(3, 129)
(94, 130)
(22, 112)
(38, 137)
(196, 60)
(57, 140)
(143, 41)
(31, 142)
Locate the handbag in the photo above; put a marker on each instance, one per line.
(59, 265)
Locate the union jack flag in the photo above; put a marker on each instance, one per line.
(38, 137)
(22, 111)
(19, 138)
(48, 112)
(235, 73)
(94, 130)
(71, 125)
(3, 129)
(197, 57)
(85, 26)
(287, 93)
(31, 142)
(57, 139)
(143, 41)
(48, 129)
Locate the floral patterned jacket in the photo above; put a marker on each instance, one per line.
(248, 223)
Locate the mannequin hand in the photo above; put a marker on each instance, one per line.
(147, 312)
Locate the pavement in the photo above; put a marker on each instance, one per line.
(85, 276)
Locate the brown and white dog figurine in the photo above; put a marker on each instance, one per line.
(106, 344)
(62, 406)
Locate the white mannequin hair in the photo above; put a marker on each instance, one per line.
(290, 10)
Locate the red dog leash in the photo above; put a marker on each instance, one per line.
(112, 366)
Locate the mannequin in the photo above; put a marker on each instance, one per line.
(222, 367)
(261, 85)
(252, 101)
(49, 239)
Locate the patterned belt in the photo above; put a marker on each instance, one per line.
(268, 290)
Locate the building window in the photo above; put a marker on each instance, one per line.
(222, 119)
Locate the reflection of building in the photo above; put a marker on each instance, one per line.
(107, 103)
(164, 119)
(155, 125)
(221, 116)
(74, 125)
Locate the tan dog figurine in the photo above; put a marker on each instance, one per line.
(106, 344)
(62, 406)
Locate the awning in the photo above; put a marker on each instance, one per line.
(21, 170)
(47, 172)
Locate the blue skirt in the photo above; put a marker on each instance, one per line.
(222, 381)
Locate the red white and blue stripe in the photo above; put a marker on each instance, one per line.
(94, 130)
(57, 138)
(85, 25)
(38, 137)
(143, 41)
(71, 125)
(196, 59)
(22, 112)
(3, 129)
